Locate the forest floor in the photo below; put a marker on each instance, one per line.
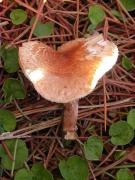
(35, 134)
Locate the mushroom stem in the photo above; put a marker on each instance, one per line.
(70, 119)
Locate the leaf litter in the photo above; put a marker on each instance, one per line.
(39, 121)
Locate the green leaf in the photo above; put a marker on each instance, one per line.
(93, 148)
(2, 51)
(119, 154)
(18, 16)
(40, 173)
(124, 174)
(7, 120)
(13, 88)
(21, 154)
(74, 168)
(131, 118)
(91, 27)
(42, 29)
(126, 63)
(129, 4)
(96, 14)
(116, 14)
(10, 57)
(23, 174)
(121, 133)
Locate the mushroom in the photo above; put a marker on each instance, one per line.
(68, 74)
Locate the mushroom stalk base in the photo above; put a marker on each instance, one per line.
(70, 119)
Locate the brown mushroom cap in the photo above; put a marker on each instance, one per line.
(72, 71)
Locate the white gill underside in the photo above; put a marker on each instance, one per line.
(106, 64)
(106, 51)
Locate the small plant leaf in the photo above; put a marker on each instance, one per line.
(96, 14)
(116, 14)
(10, 57)
(2, 51)
(18, 16)
(119, 154)
(131, 118)
(7, 120)
(13, 88)
(42, 29)
(128, 4)
(21, 154)
(40, 173)
(23, 174)
(93, 148)
(126, 63)
(124, 174)
(74, 168)
(118, 135)
(91, 27)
